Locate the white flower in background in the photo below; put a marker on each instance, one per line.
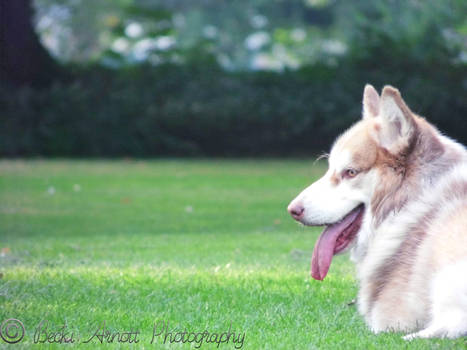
(257, 40)
(266, 62)
(189, 209)
(133, 30)
(285, 56)
(120, 45)
(334, 47)
(316, 3)
(142, 48)
(51, 190)
(298, 34)
(164, 42)
(225, 61)
(463, 57)
(258, 21)
(76, 188)
(210, 32)
(179, 20)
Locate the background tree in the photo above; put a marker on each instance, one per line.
(24, 61)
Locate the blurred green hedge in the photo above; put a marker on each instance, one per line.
(203, 111)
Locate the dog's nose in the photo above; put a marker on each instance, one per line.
(296, 210)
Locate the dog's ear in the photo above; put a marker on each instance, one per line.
(370, 102)
(396, 124)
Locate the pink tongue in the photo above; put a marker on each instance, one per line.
(325, 246)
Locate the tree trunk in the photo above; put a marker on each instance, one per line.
(23, 60)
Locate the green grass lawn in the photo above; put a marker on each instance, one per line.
(200, 245)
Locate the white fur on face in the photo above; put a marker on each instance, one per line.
(326, 202)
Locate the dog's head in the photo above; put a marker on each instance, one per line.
(364, 162)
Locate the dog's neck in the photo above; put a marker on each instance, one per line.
(405, 177)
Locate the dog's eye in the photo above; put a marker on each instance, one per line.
(349, 173)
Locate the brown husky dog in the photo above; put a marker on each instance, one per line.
(395, 195)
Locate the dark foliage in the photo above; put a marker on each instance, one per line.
(200, 110)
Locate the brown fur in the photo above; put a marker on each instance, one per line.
(335, 180)
(400, 171)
